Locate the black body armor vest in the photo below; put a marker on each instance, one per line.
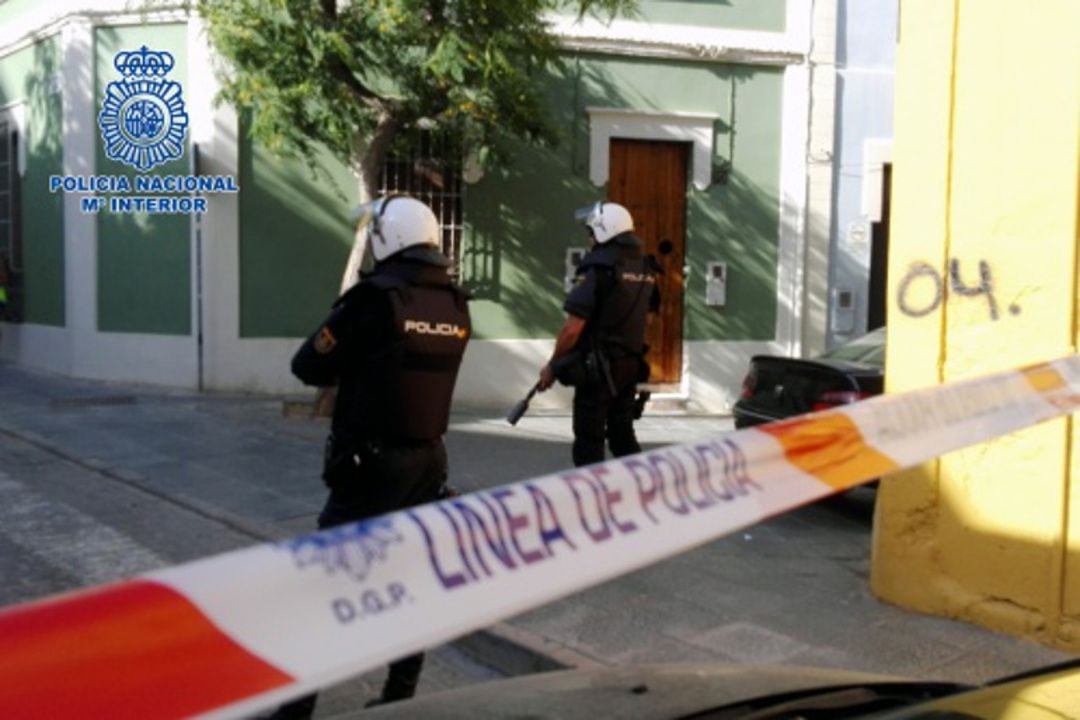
(403, 392)
(627, 281)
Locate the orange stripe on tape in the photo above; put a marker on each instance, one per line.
(1043, 377)
(138, 650)
(831, 448)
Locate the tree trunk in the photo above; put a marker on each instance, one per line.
(369, 158)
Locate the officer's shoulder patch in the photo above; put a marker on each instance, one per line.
(325, 341)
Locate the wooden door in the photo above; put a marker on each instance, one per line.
(649, 179)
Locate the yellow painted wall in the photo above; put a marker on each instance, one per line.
(986, 158)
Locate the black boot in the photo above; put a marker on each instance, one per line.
(401, 681)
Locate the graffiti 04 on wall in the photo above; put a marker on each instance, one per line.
(920, 272)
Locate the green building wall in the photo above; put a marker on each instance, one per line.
(766, 15)
(295, 237)
(737, 219)
(25, 78)
(519, 217)
(144, 261)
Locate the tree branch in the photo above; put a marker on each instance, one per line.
(363, 95)
(374, 151)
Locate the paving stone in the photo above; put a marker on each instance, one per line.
(748, 644)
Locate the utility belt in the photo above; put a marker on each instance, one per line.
(585, 366)
(345, 458)
(592, 365)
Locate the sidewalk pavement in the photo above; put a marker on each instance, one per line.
(791, 591)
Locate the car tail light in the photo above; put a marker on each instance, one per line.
(833, 398)
(748, 383)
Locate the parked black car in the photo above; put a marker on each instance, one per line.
(711, 691)
(779, 387)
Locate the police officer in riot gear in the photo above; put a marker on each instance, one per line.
(393, 344)
(601, 347)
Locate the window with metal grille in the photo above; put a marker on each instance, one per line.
(10, 240)
(429, 168)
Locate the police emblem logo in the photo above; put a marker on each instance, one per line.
(325, 341)
(353, 549)
(142, 118)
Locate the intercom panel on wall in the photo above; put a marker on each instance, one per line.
(716, 283)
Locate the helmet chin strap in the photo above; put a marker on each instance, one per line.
(600, 215)
(376, 222)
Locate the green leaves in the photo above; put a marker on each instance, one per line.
(448, 58)
(320, 71)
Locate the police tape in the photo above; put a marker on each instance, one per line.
(236, 633)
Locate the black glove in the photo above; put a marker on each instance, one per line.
(639, 403)
(448, 491)
(343, 460)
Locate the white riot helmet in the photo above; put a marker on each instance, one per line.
(605, 219)
(395, 223)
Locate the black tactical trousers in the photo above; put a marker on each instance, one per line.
(599, 415)
(394, 478)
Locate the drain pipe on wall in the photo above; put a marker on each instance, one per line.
(197, 220)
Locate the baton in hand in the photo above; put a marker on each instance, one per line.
(522, 405)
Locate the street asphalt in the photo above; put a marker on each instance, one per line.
(126, 467)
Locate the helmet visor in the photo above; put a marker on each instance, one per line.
(362, 215)
(588, 214)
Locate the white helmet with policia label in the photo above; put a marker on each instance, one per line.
(398, 222)
(605, 219)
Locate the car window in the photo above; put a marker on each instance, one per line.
(869, 348)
